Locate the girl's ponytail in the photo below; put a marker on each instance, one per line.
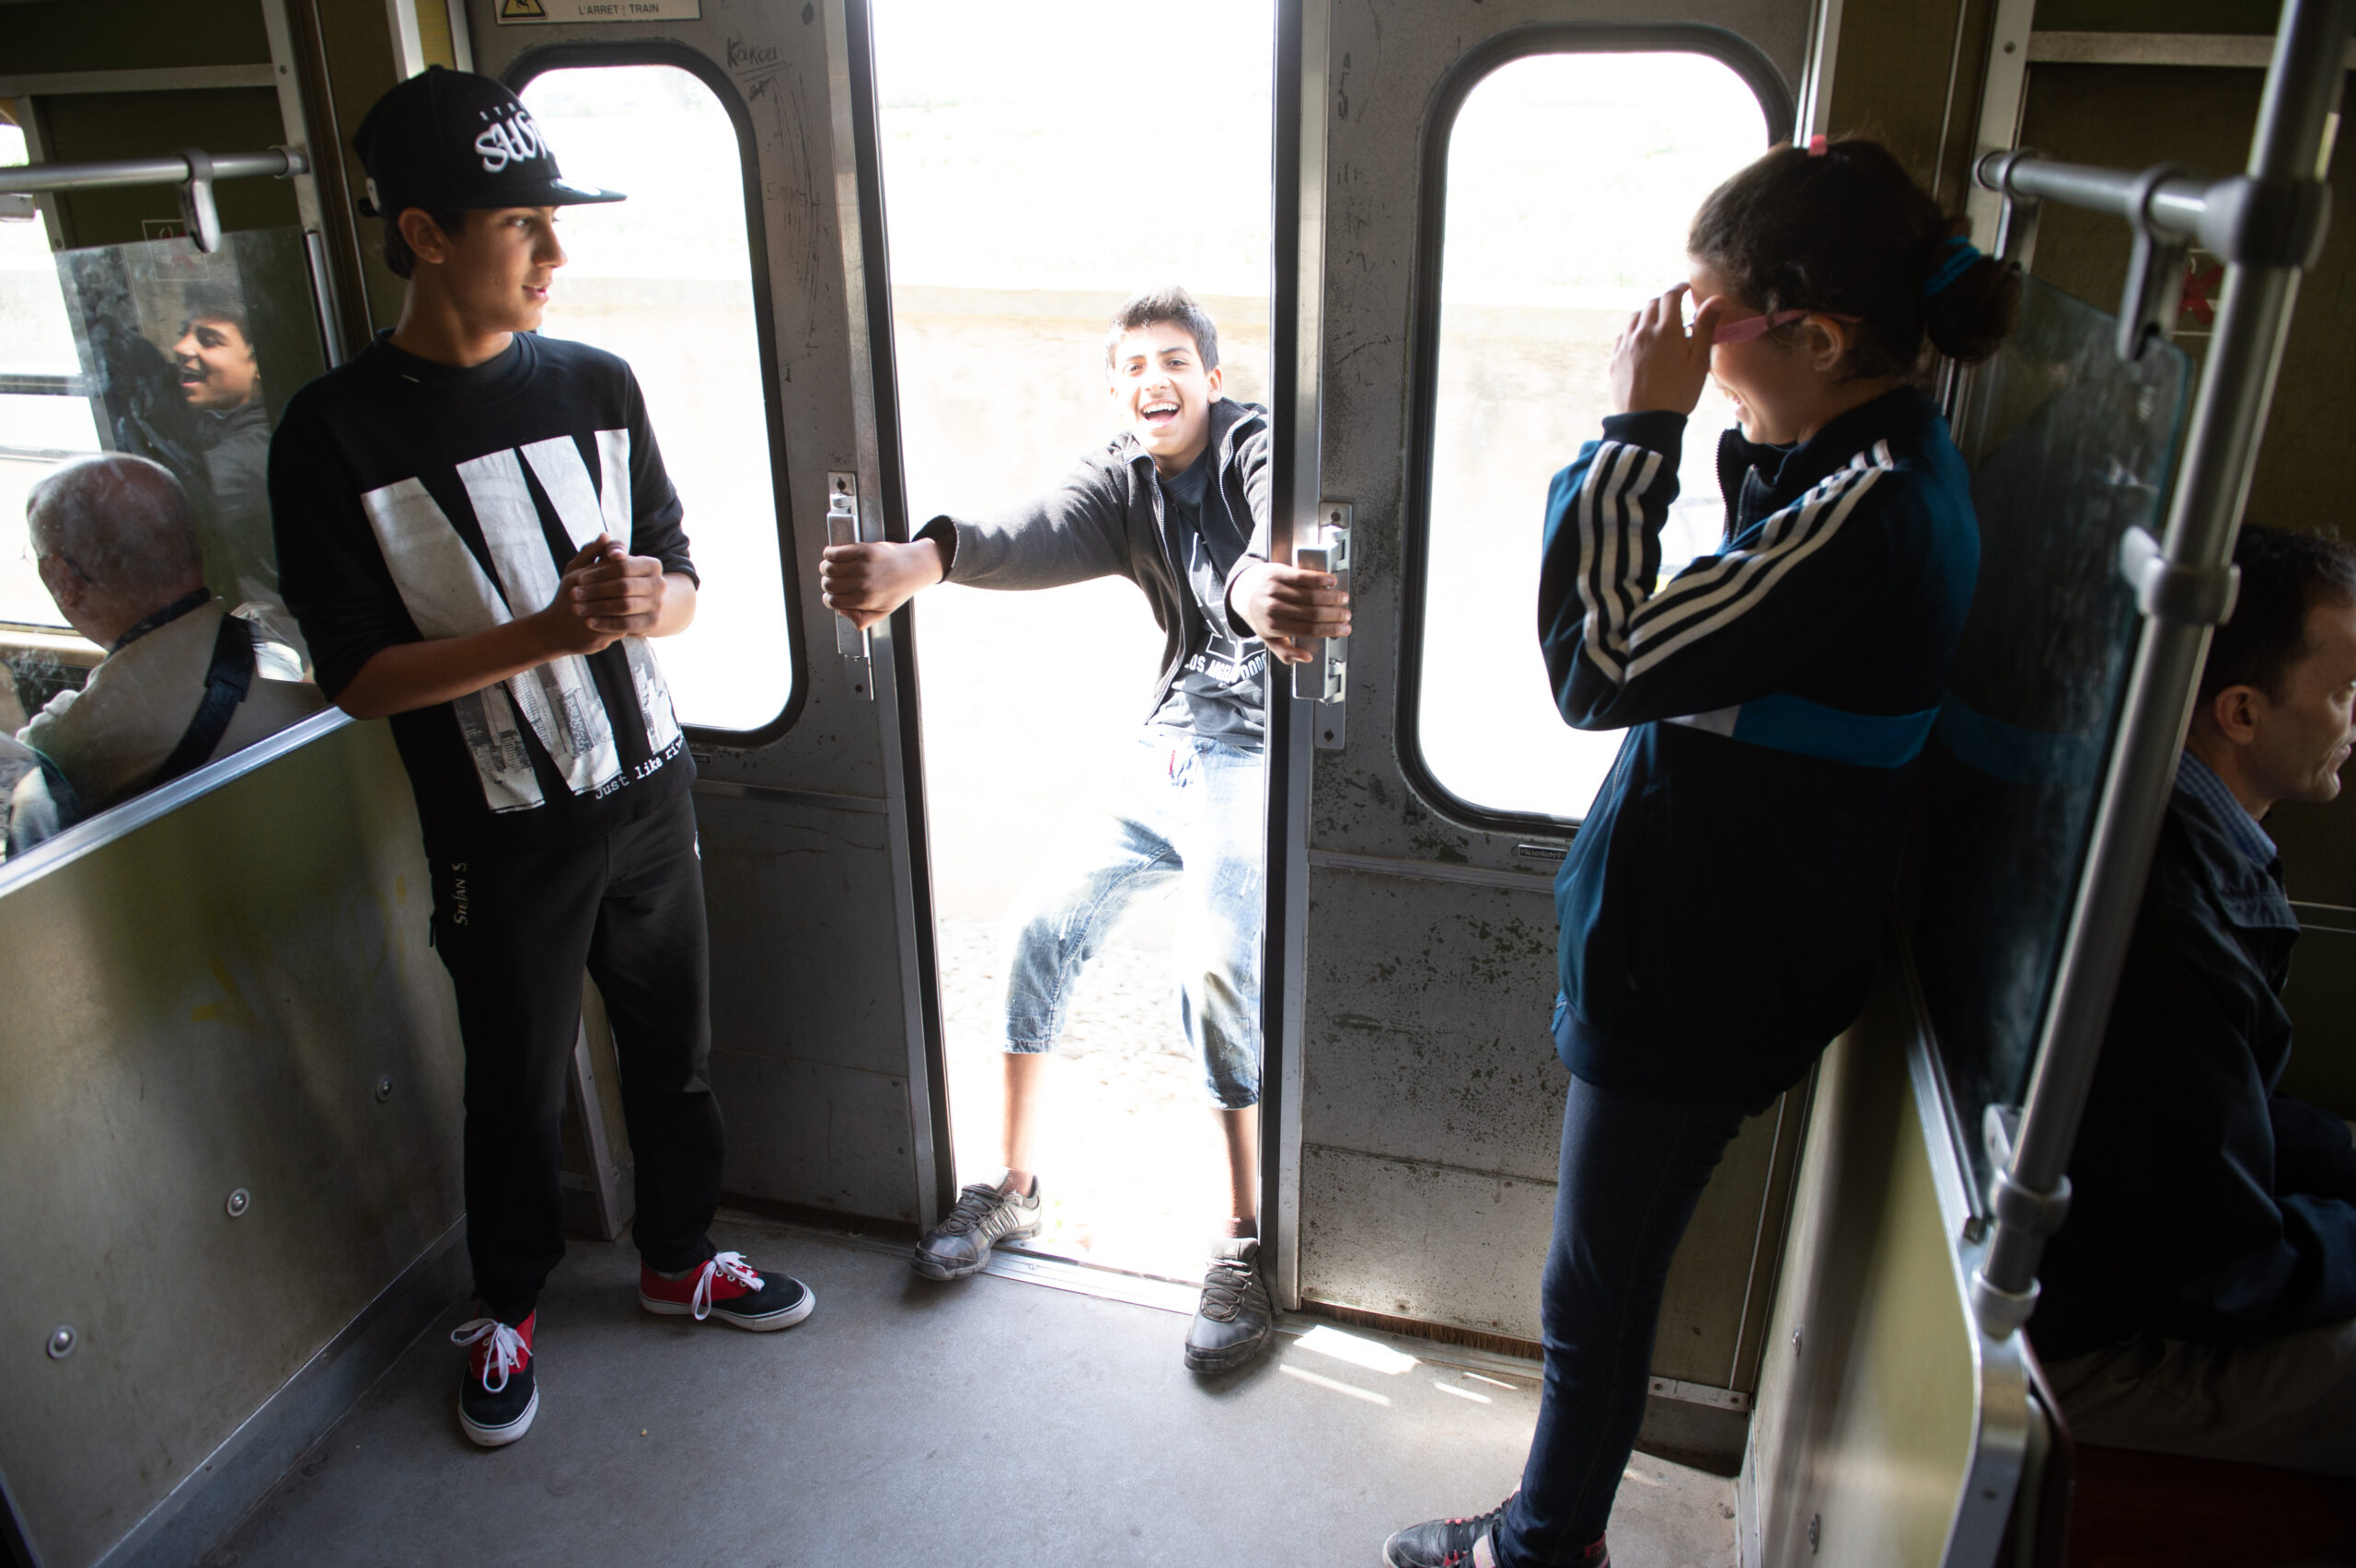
(1971, 307)
(1842, 227)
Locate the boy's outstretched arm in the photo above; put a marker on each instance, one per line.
(1291, 607)
(865, 583)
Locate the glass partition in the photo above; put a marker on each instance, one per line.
(2069, 447)
(120, 602)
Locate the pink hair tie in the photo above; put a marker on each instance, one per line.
(1816, 145)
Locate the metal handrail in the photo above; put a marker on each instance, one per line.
(2181, 596)
(191, 168)
(173, 169)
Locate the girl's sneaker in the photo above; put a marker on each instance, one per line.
(1464, 1543)
(500, 1396)
(727, 1287)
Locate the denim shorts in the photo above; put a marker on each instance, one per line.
(1181, 809)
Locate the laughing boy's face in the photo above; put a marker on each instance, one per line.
(1164, 393)
(216, 365)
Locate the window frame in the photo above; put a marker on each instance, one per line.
(535, 63)
(1757, 72)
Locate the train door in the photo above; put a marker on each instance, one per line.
(1471, 203)
(736, 280)
(1126, 176)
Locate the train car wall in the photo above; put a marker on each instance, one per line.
(229, 1103)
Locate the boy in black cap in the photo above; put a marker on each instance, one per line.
(476, 531)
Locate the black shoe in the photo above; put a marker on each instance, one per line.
(500, 1396)
(986, 1214)
(1464, 1543)
(1236, 1321)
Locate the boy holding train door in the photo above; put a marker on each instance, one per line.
(1178, 504)
(1726, 899)
(477, 534)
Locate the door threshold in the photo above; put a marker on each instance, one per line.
(1180, 1297)
(1093, 1279)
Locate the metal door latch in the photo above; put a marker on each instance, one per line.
(1324, 679)
(843, 528)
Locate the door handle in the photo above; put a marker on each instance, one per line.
(1324, 679)
(842, 528)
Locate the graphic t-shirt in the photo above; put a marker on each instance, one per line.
(413, 499)
(1218, 694)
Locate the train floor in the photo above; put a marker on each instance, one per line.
(990, 1422)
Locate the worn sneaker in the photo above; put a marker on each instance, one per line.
(1236, 1320)
(728, 1289)
(1464, 1543)
(986, 1214)
(500, 1396)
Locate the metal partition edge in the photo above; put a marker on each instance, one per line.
(121, 821)
(2000, 1436)
(1296, 321)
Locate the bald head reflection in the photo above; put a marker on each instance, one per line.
(116, 541)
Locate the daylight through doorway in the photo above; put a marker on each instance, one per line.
(1035, 175)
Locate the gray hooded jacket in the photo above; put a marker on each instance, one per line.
(1105, 519)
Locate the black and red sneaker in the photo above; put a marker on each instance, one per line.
(1464, 1543)
(500, 1396)
(728, 1289)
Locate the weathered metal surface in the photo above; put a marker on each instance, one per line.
(1431, 1115)
(208, 1004)
(1882, 1415)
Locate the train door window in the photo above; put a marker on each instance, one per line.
(1571, 180)
(666, 280)
(42, 423)
(1033, 177)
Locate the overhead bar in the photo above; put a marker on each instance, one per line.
(190, 169)
(173, 169)
(2030, 1195)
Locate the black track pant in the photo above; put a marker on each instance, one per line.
(516, 932)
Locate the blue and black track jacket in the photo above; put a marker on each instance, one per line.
(1727, 895)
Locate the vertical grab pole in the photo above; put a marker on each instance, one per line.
(2030, 1195)
(1296, 342)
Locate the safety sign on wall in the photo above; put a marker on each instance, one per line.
(599, 11)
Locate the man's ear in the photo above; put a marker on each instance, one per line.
(426, 241)
(1215, 378)
(2235, 711)
(65, 586)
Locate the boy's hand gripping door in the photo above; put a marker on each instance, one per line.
(1325, 678)
(842, 528)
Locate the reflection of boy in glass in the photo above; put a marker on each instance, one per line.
(220, 379)
(215, 359)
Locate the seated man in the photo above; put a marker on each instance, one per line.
(116, 544)
(2202, 1299)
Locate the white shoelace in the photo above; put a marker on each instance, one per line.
(727, 1265)
(506, 1353)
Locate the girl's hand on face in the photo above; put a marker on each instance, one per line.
(1657, 365)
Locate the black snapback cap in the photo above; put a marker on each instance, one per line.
(451, 141)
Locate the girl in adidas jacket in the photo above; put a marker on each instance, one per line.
(1725, 900)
